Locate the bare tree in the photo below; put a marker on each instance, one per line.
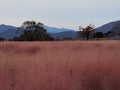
(87, 31)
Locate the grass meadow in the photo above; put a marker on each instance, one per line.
(63, 65)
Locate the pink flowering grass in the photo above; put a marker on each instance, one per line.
(64, 65)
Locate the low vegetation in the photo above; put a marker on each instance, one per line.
(65, 65)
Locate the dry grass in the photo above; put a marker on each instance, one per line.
(77, 65)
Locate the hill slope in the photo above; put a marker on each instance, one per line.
(4, 28)
(107, 27)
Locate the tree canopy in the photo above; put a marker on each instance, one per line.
(34, 32)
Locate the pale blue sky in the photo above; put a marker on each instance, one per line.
(60, 13)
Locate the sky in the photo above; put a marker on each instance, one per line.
(60, 13)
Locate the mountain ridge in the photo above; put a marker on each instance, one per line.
(9, 32)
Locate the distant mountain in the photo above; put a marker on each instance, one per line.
(107, 27)
(64, 35)
(61, 33)
(10, 34)
(56, 30)
(4, 28)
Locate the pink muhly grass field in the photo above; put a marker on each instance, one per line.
(65, 65)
